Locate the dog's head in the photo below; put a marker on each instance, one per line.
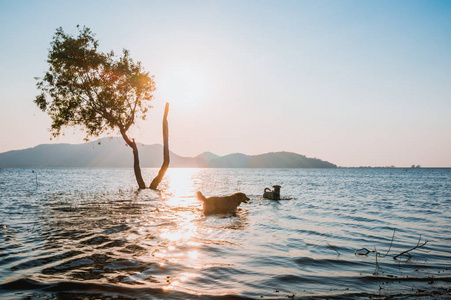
(200, 196)
(241, 197)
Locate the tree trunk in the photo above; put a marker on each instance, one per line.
(156, 181)
(136, 167)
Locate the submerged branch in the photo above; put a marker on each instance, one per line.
(376, 271)
(334, 249)
(391, 243)
(360, 253)
(406, 253)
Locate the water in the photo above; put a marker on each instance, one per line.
(89, 234)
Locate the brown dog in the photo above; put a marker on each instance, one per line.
(221, 205)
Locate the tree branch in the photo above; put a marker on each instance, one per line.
(406, 253)
(391, 243)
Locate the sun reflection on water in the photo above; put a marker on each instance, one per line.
(181, 204)
(174, 283)
(180, 185)
(179, 238)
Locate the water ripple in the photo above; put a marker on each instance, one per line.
(105, 239)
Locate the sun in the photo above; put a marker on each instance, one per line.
(187, 85)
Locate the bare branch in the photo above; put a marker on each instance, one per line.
(406, 253)
(362, 252)
(391, 243)
(334, 249)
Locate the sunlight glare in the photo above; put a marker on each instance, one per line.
(181, 188)
(184, 211)
(175, 282)
(186, 85)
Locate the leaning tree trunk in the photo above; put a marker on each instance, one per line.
(156, 181)
(136, 167)
(138, 175)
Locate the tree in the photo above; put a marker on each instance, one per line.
(99, 92)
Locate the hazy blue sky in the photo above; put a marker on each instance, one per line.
(352, 82)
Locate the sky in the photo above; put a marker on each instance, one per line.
(356, 83)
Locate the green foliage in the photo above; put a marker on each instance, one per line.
(98, 91)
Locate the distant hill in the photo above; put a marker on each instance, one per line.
(269, 160)
(112, 152)
(207, 156)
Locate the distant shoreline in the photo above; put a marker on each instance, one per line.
(275, 168)
(408, 168)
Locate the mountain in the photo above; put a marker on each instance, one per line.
(269, 160)
(112, 152)
(207, 156)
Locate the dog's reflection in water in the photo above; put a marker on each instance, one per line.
(221, 205)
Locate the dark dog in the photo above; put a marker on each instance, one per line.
(273, 195)
(221, 205)
(268, 194)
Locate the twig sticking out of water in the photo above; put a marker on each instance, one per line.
(334, 249)
(362, 252)
(391, 243)
(406, 253)
(377, 264)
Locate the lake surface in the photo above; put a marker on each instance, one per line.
(89, 234)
